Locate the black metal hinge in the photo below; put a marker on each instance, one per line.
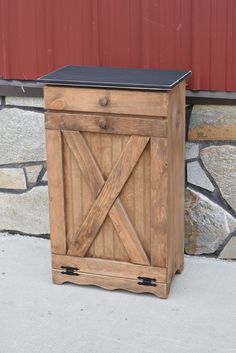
(71, 271)
(146, 281)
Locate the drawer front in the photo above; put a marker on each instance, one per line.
(106, 101)
(106, 124)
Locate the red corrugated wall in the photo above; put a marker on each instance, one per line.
(38, 36)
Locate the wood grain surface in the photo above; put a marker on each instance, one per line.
(106, 124)
(108, 194)
(118, 101)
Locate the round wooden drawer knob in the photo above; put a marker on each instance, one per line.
(103, 101)
(102, 124)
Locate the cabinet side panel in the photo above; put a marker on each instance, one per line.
(176, 141)
(56, 191)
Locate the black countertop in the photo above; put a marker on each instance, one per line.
(110, 77)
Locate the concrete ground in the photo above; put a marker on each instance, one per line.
(37, 316)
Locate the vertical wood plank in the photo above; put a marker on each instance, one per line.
(180, 172)
(107, 227)
(68, 193)
(99, 240)
(159, 197)
(127, 197)
(147, 200)
(77, 194)
(138, 176)
(119, 250)
(56, 191)
(87, 198)
(95, 145)
(176, 160)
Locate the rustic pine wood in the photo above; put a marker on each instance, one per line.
(111, 283)
(118, 101)
(117, 213)
(159, 206)
(109, 267)
(176, 160)
(115, 149)
(107, 196)
(56, 191)
(107, 124)
(116, 185)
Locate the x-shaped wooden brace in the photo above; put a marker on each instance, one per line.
(107, 201)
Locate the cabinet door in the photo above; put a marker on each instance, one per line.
(108, 188)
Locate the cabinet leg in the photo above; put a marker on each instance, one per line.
(56, 278)
(180, 268)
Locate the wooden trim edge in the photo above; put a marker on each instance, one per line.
(109, 267)
(111, 283)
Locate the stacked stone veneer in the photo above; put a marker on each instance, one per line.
(23, 177)
(210, 212)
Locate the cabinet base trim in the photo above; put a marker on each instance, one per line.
(108, 282)
(109, 267)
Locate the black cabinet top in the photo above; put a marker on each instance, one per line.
(110, 77)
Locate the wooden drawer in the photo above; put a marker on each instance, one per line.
(106, 124)
(106, 101)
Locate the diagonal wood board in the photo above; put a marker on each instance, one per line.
(107, 200)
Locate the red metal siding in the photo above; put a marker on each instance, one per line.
(213, 45)
(39, 36)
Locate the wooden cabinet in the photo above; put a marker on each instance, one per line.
(116, 184)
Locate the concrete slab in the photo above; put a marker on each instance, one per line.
(37, 316)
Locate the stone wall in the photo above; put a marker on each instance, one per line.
(210, 212)
(23, 176)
